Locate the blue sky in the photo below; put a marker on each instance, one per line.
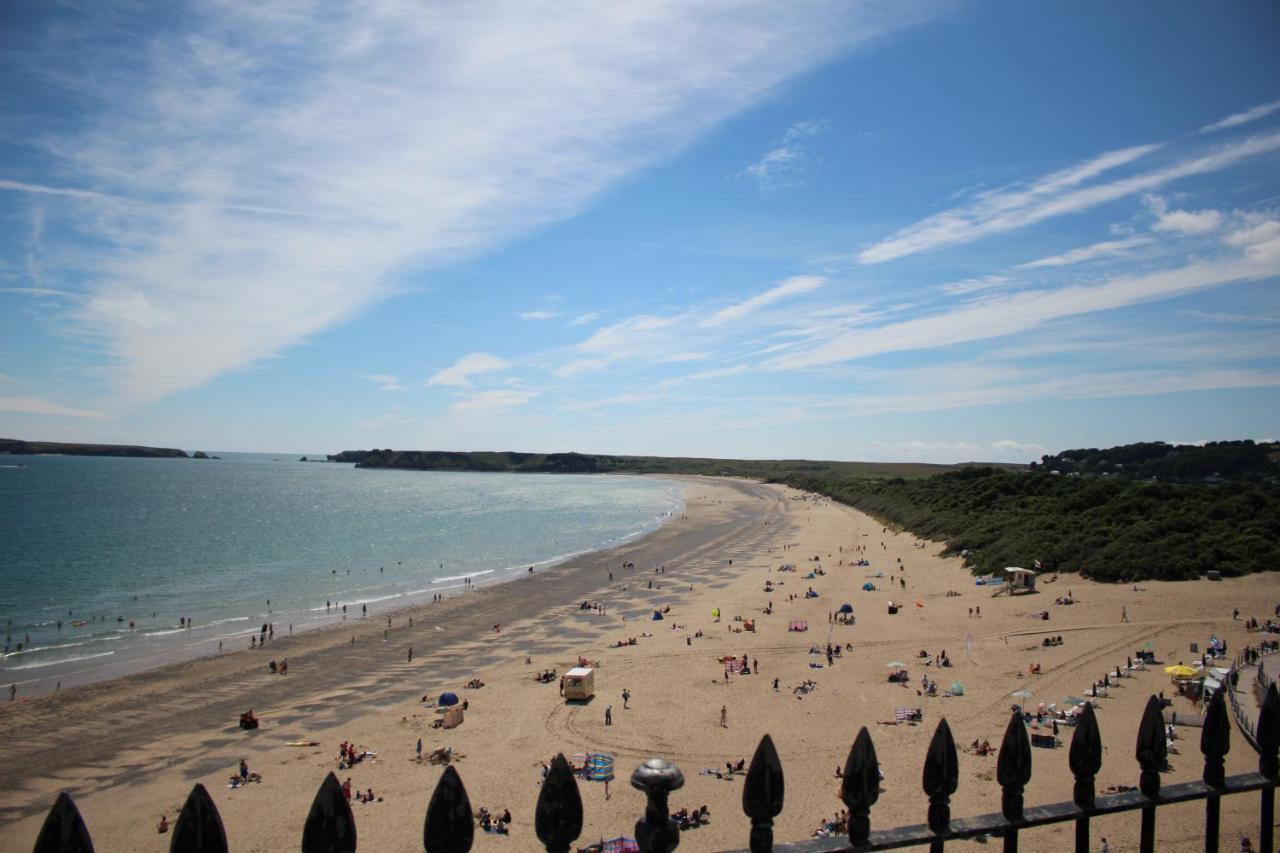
(825, 230)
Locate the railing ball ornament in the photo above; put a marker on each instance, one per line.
(657, 832)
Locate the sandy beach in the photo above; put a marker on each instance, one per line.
(130, 749)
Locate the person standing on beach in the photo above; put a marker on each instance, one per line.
(626, 697)
(1124, 613)
(724, 717)
(608, 715)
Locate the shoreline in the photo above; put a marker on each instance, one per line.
(205, 641)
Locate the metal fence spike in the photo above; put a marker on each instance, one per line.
(448, 827)
(199, 826)
(558, 818)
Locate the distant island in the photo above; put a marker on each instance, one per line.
(587, 463)
(43, 448)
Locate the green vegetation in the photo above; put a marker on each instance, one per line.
(36, 448)
(1105, 529)
(1245, 461)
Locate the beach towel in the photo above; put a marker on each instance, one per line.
(620, 845)
(908, 715)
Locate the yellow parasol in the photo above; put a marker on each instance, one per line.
(1181, 670)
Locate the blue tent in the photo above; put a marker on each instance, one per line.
(657, 616)
(845, 608)
(447, 700)
(868, 586)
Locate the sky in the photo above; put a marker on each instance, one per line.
(939, 231)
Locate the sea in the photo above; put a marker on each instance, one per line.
(114, 565)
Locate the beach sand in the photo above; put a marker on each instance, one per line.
(130, 749)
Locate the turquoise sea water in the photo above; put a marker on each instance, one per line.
(152, 541)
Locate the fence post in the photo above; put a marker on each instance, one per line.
(1152, 753)
(63, 830)
(656, 832)
(330, 826)
(448, 826)
(1085, 760)
(558, 818)
(1215, 743)
(762, 795)
(861, 787)
(199, 827)
(1013, 772)
(941, 778)
(1268, 739)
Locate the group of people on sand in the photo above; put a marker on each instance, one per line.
(349, 757)
(366, 796)
(499, 825)
(281, 668)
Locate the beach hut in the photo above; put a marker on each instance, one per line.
(1016, 581)
(579, 684)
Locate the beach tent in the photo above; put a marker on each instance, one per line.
(579, 684)
(657, 616)
(447, 700)
(868, 587)
(845, 608)
(957, 689)
(599, 767)
(715, 613)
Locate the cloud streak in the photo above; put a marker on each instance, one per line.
(787, 288)
(1055, 195)
(1249, 115)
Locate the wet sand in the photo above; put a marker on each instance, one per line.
(130, 749)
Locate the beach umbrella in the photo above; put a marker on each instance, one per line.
(845, 608)
(1074, 701)
(447, 700)
(896, 664)
(1022, 694)
(1179, 670)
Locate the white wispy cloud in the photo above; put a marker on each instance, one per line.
(1105, 248)
(41, 291)
(581, 365)
(583, 319)
(1226, 317)
(539, 315)
(787, 288)
(781, 167)
(385, 381)
(628, 398)
(964, 287)
(1253, 114)
(1182, 221)
(252, 174)
(1018, 312)
(44, 406)
(484, 402)
(459, 374)
(703, 375)
(1055, 195)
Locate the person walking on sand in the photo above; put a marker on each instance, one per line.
(1124, 613)
(418, 750)
(608, 715)
(626, 697)
(724, 717)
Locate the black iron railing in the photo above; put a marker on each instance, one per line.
(449, 826)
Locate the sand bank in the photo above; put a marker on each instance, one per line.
(130, 749)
